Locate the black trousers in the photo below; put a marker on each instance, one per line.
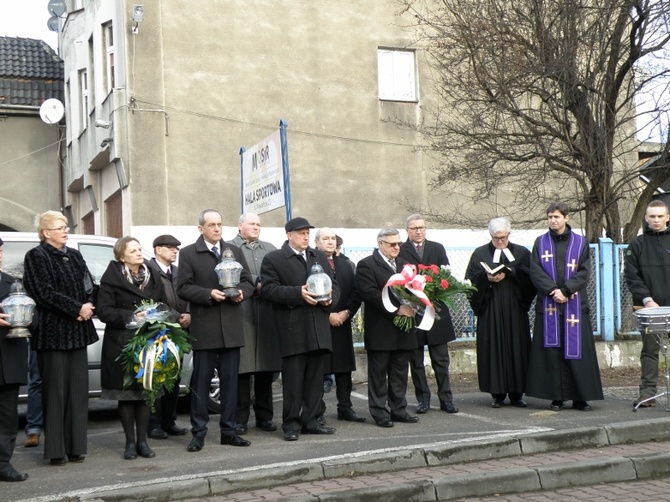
(387, 382)
(165, 415)
(227, 363)
(439, 359)
(9, 422)
(263, 405)
(64, 401)
(302, 388)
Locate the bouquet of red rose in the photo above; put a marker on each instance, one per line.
(423, 291)
(441, 285)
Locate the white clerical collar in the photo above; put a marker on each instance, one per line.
(498, 252)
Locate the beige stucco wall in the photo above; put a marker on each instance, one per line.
(28, 168)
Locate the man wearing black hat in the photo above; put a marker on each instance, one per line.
(162, 422)
(303, 327)
(13, 373)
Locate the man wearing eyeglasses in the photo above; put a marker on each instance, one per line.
(504, 295)
(388, 347)
(418, 250)
(162, 422)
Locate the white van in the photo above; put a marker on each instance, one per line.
(98, 251)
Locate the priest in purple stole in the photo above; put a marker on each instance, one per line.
(563, 363)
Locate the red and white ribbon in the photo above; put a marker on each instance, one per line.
(414, 283)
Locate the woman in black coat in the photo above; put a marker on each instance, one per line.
(56, 277)
(126, 283)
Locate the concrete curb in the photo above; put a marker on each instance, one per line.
(514, 480)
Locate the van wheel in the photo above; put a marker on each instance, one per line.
(214, 396)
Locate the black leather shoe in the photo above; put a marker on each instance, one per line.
(327, 386)
(130, 453)
(196, 444)
(173, 430)
(157, 433)
(406, 419)
(520, 403)
(321, 420)
(556, 405)
(422, 407)
(581, 406)
(241, 430)
(497, 403)
(320, 429)
(266, 425)
(10, 474)
(384, 422)
(143, 450)
(234, 440)
(291, 435)
(449, 407)
(76, 459)
(349, 416)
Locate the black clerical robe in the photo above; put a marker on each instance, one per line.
(550, 374)
(503, 329)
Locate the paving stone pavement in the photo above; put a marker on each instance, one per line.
(563, 468)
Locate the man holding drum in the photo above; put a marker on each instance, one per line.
(648, 278)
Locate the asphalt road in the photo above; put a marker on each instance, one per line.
(105, 468)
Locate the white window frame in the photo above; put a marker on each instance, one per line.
(108, 37)
(397, 75)
(84, 105)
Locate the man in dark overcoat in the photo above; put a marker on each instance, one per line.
(418, 250)
(259, 358)
(302, 327)
(342, 361)
(387, 345)
(163, 421)
(13, 374)
(216, 327)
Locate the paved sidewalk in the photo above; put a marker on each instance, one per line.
(554, 460)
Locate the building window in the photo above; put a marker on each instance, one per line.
(83, 105)
(114, 212)
(397, 75)
(88, 224)
(108, 35)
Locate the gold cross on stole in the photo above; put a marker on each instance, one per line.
(546, 256)
(550, 309)
(573, 321)
(572, 265)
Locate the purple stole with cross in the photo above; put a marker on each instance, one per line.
(572, 313)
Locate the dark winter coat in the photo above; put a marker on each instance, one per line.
(13, 351)
(54, 278)
(214, 325)
(301, 327)
(647, 269)
(372, 273)
(343, 359)
(433, 254)
(117, 300)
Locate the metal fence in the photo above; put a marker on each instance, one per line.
(464, 319)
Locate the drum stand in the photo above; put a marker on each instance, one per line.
(662, 341)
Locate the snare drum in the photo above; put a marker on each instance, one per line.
(653, 320)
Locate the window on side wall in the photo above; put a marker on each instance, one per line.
(397, 75)
(84, 96)
(108, 35)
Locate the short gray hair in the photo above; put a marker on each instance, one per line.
(501, 224)
(413, 217)
(201, 216)
(317, 236)
(386, 232)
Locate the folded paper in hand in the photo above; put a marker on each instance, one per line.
(493, 271)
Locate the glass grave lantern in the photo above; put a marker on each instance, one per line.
(20, 308)
(228, 271)
(320, 283)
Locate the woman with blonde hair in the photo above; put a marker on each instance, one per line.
(57, 278)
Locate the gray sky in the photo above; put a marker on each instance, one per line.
(27, 19)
